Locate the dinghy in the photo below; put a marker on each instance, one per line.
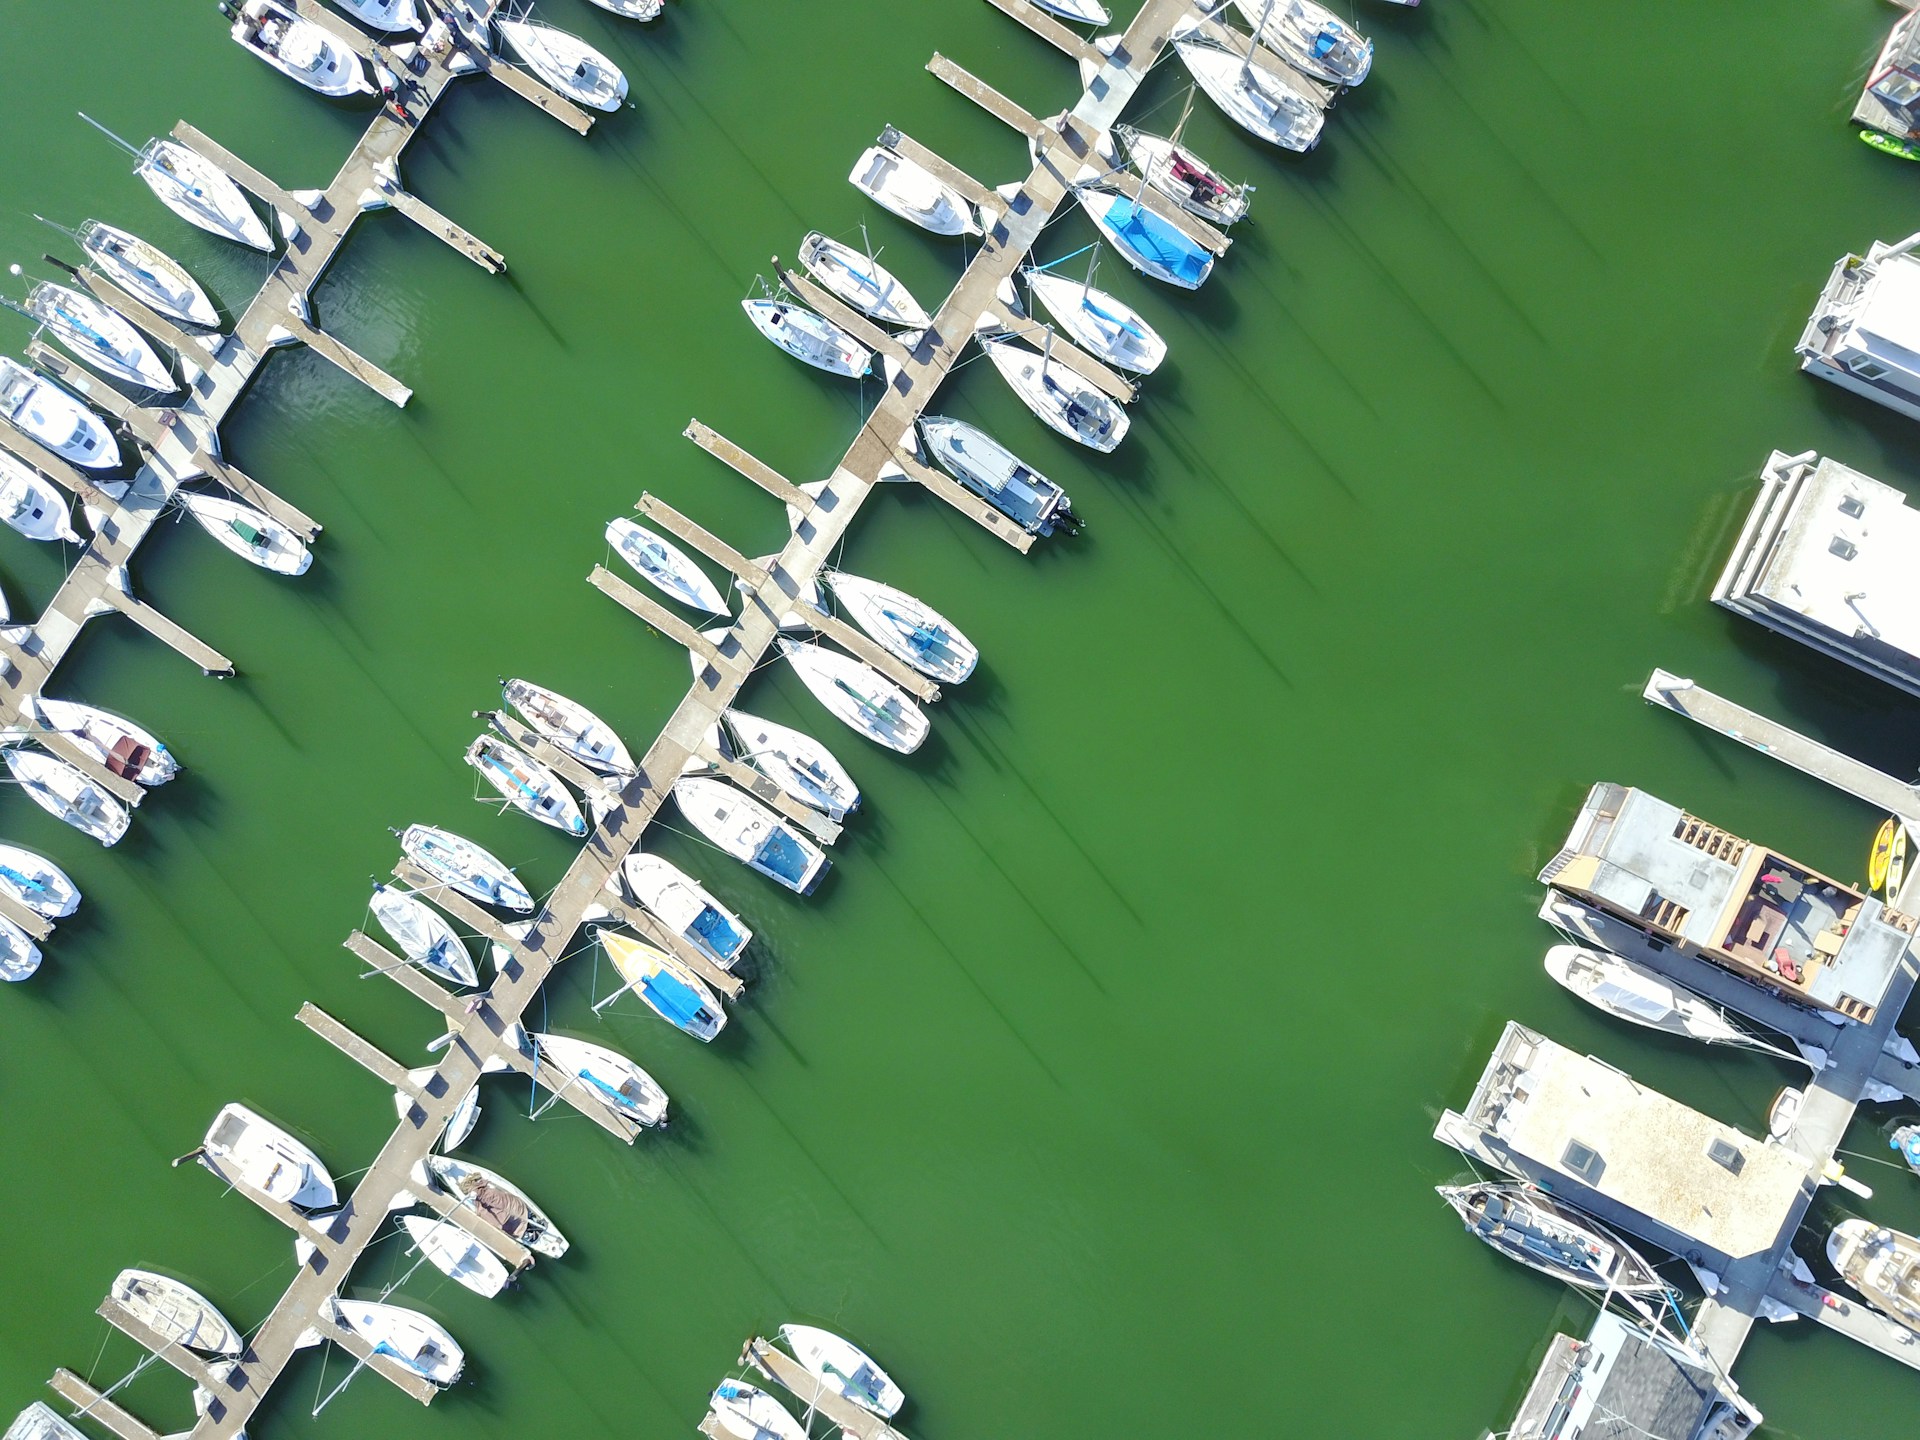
(1062, 400)
(684, 907)
(751, 833)
(1153, 245)
(99, 336)
(464, 867)
(666, 565)
(496, 1199)
(1101, 324)
(253, 535)
(527, 785)
(259, 1154)
(1637, 995)
(299, 49)
(809, 337)
(201, 193)
(423, 935)
(909, 629)
(998, 476)
(456, 1254)
(844, 1368)
(1882, 1264)
(861, 281)
(858, 695)
(1254, 98)
(1311, 38)
(1905, 1143)
(1080, 12)
(53, 419)
(31, 505)
(1184, 178)
(569, 726)
(913, 192)
(406, 1336)
(37, 883)
(66, 794)
(394, 15)
(177, 1313)
(1880, 858)
(670, 990)
(19, 956)
(121, 746)
(566, 62)
(1552, 1237)
(799, 764)
(612, 1079)
(747, 1412)
(148, 274)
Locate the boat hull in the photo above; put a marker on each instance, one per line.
(1059, 398)
(1544, 1234)
(859, 696)
(53, 419)
(809, 338)
(119, 745)
(201, 195)
(1099, 323)
(463, 866)
(424, 937)
(66, 794)
(665, 565)
(148, 273)
(907, 628)
(567, 63)
(996, 474)
(800, 765)
(259, 1153)
(403, 1335)
(570, 726)
(1185, 178)
(672, 992)
(475, 1185)
(845, 1367)
(1260, 103)
(751, 833)
(685, 907)
(37, 883)
(1150, 244)
(895, 183)
(253, 535)
(457, 1255)
(32, 507)
(862, 282)
(613, 1079)
(175, 1312)
(527, 785)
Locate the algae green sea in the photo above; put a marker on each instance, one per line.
(1093, 1093)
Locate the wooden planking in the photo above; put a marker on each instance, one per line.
(252, 491)
(964, 500)
(353, 363)
(700, 538)
(95, 1406)
(242, 173)
(739, 461)
(71, 478)
(534, 93)
(441, 228)
(1050, 30)
(147, 319)
(859, 326)
(143, 1335)
(167, 632)
(362, 1052)
(31, 921)
(797, 1380)
(654, 614)
(942, 169)
(1007, 111)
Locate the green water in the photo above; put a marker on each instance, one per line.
(1093, 1092)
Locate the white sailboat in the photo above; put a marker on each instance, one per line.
(1311, 38)
(262, 1156)
(99, 336)
(862, 281)
(1103, 325)
(177, 1313)
(66, 794)
(1637, 995)
(31, 505)
(844, 1368)
(610, 1078)
(463, 866)
(1062, 400)
(147, 273)
(683, 905)
(37, 883)
(666, 565)
(495, 1198)
(423, 935)
(1080, 12)
(642, 10)
(909, 629)
(121, 746)
(200, 193)
(457, 1255)
(570, 726)
(566, 62)
(391, 15)
(913, 192)
(299, 49)
(1149, 242)
(858, 695)
(668, 988)
(402, 1335)
(1183, 177)
(253, 535)
(49, 416)
(809, 337)
(799, 764)
(19, 956)
(746, 1412)
(526, 784)
(751, 833)
(997, 475)
(1260, 102)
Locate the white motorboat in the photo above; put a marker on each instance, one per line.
(751, 833)
(260, 1155)
(37, 883)
(53, 419)
(666, 565)
(1253, 97)
(566, 62)
(456, 1254)
(799, 764)
(527, 785)
(997, 475)
(1080, 12)
(401, 1335)
(809, 337)
(670, 990)
(177, 1313)
(121, 746)
(147, 273)
(1101, 324)
(19, 956)
(31, 505)
(423, 935)
(38, 1422)
(683, 905)
(299, 49)
(66, 794)
(1637, 995)
(858, 695)
(862, 281)
(253, 535)
(391, 15)
(1311, 38)
(909, 629)
(570, 726)
(201, 193)
(496, 1199)
(1060, 397)
(1184, 178)
(747, 1412)
(633, 9)
(913, 192)
(99, 336)
(613, 1079)
(464, 867)
(845, 1368)
(1882, 1264)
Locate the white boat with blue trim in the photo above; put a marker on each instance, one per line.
(862, 281)
(907, 628)
(31, 506)
(1061, 398)
(859, 696)
(37, 883)
(120, 746)
(684, 906)
(53, 419)
(423, 935)
(66, 794)
(527, 785)
(401, 1335)
(611, 1078)
(665, 564)
(464, 867)
(101, 337)
(1102, 324)
(844, 1368)
(1256, 99)
(201, 193)
(799, 764)
(998, 476)
(1311, 38)
(746, 1412)
(751, 833)
(1149, 242)
(668, 988)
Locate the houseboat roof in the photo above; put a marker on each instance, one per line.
(1621, 1383)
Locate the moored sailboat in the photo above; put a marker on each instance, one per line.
(526, 784)
(570, 726)
(670, 990)
(799, 764)
(566, 62)
(200, 193)
(30, 505)
(844, 1367)
(1183, 177)
(1637, 995)
(912, 192)
(253, 535)
(37, 883)
(907, 628)
(1058, 396)
(176, 1312)
(751, 833)
(121, 747)
(746, 1412)
(463, 866)
(683, 905)
(495, 1198)
(401, 1335)
(859, 696)
(148, 273)
(1262, 103)
(49, 416)
(19, 956)
(862, 281)
(257, 1153)
(101, 337)
(66, 794)
(457, 1255)
(1103, 325)
(611, 1078)
(1152, 244)
(665, 564)
(423, 935)
(809, 337)
(1311, 38)
(1550, 1236)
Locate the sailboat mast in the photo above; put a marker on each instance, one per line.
(108, 133)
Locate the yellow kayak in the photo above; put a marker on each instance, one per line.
(1881, 855)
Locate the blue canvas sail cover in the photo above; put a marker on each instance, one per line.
(1158, 243)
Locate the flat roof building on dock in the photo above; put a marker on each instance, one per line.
(1864, 334)
(1831, 557)
(1624, 1383)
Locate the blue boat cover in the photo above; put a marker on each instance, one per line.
(673, 999)
(1158, 243)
